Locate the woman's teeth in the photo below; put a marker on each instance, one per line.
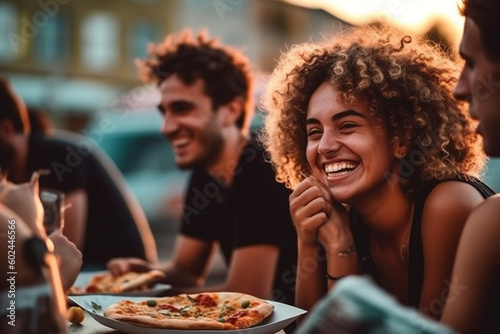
(339, 167)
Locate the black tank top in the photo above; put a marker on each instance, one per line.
(416, 252)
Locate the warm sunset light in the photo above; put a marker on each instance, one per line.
(414, 16)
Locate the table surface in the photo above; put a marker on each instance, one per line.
(91, 326)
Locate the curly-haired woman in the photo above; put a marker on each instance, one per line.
(382, 160)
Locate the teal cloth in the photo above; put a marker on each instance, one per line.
(357, 305)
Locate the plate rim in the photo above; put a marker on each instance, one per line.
(261, 328)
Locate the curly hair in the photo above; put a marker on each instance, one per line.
(485, 15)
(408, 84)
(225, 71)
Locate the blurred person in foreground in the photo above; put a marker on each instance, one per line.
(104, 220)
(233, 199)
(382, 162)
(39, 268)
(477, 267)
(21, 208)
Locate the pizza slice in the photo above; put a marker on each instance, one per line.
(131, 281)
(211, 311)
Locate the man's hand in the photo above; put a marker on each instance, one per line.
(121, 265)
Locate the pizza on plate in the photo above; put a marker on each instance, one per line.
(211, 310)
(131, 281)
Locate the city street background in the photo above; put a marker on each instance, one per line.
(74, 59)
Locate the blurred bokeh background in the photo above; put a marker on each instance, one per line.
(76, 57)
(75, 60)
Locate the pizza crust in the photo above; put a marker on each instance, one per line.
(130, 281)
(143, 279)
(143, 320)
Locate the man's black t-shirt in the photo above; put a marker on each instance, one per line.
(254, 210)
(76, 164)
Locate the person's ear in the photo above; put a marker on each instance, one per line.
(7, 128)
(231, 111)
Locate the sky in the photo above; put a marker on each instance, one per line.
(415, 16)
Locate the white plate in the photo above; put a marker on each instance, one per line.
(282, 316)
(156, 290)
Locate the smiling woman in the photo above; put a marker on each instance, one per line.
(382, 162)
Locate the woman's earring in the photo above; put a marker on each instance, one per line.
(401, 154)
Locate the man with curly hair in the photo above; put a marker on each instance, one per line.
(382, 162)
(233, 198)
(477, 265)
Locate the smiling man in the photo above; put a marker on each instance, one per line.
(479, 82)
(233, 200)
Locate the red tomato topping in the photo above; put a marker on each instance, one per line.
(205, 300)
(235, 316)
(169, 307)
(91, 288)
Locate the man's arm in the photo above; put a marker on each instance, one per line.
(75, 217)
(187, 267)
(251, 271)
(189, 263)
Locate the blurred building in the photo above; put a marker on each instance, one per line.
(262, 28)
(74, 57)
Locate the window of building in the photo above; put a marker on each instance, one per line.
(9, 36)
(141, 34)
(100, 42)
(52, 40)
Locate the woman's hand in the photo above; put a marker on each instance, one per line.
(309, 205)
(317, 217)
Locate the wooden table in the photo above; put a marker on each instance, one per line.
(91, 326)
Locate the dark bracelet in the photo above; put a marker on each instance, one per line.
(333, 278)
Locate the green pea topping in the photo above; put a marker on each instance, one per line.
(221, 320)
(245, 303)
(151, 303)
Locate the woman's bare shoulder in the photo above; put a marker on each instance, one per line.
(448, 207)
(452, 199)
(455, 193)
